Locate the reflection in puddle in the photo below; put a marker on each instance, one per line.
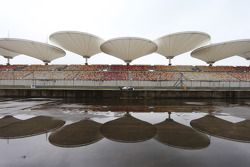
(218, 127)
(54, 132)
(175, 134)
(15, 128)
(77, 134)
(7, 120)
(128, 129)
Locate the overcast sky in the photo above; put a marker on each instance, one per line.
(36, 20)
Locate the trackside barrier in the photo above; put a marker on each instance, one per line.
(33, 83)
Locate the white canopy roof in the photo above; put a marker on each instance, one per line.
(7, 53)
(178, 43)
(42, 51)
(128, 48)
(81, 43)
(214, 52)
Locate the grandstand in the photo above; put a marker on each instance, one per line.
(113, 76)
(144, 77)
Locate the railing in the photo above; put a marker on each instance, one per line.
(35, 83)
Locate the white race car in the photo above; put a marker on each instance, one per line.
(129, 88)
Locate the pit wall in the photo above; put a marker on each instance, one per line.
(117, 83)
(137, 94)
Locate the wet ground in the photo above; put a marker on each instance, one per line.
(65, 133)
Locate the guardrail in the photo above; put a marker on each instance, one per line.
(34, 83)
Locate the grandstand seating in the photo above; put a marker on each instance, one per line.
(115, 76)
(43, 67)
(13, 74)
(86, 67)
(208, 76)
(155, 76)
(165, 68)
(22, 74)
(216, 68)
(65, 74)
(101, 76)
(7, 75)
(124, 72)
(11, 67)
(242, 76)
(94, 76)
(131, 68)
(186, 68)
(242, 68)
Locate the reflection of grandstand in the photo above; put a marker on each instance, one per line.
(137, 75)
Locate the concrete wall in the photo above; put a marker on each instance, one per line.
(138, 94)
(159, 84)
(109, 89)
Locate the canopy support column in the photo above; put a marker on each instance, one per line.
(86, 59)
(210, 63)
(169, 115)
(8, 61)
(46, 62)
(127, 62)
(169, 62)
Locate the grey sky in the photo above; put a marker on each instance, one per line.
(36, 20)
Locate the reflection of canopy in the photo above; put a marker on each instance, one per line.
(128, 129)
(221, 128)
(7, 53)
(30, 127)
(80, 43)
(245, 123)
(7, 120)
(41, 51)
(128, 48)
(84, 132)
(175, 134)
(178, 43)
(214, 52)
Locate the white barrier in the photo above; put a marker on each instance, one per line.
(117, 83)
